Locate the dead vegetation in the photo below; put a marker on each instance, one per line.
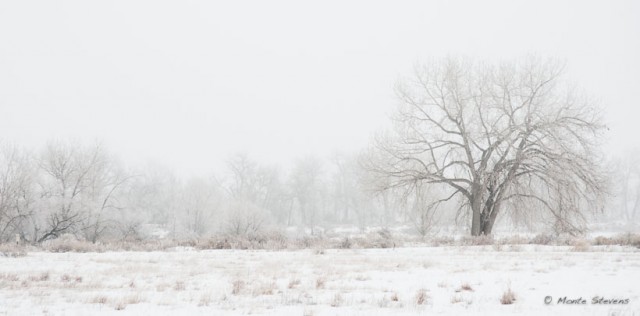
(421, 297)
(465, 287)
(508, 297)
(237, 287)
(279, 241)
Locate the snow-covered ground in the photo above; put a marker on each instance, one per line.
(402, 281)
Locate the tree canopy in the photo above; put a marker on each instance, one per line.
(501, 137)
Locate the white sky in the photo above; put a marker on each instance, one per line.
(187, 83)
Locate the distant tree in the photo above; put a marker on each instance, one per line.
(507, 137)
(17, 191)
(252, 182)
(244, 218)
(424, 209)
(308, 190)
(79, 187)
(256, 190)
(627, 189)
(200, 202)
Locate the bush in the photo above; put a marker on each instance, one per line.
(381, 239)
(580, 245)
(345, 243)
(628, 239)
(12, 250)
(542, 239)
(443, 241)
(69, 243)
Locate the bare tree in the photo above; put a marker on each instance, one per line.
(424, 209)
(256, 190)
(244, 218)
(307, 187)
(507, 137)
(627, 171)
(16, 191)
(200, 202)
(78, 187)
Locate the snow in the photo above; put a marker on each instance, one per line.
(322, 282)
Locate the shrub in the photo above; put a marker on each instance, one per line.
(628, 239)
(580, 245)
(443, 241)
(12, 250)
(69, 243)
(542, 239)
(346, 243)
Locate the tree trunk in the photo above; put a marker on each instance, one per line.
(487, 226)
(484, 218)
(476, 220)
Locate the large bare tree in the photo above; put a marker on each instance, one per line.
(502, 137)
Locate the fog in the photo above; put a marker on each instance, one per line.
(245, 107)
(188, 84)
(319, 158)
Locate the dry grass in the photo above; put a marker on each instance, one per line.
(477, 241)
(278, 240)
(179, 286)
(237, 287)
(66, 278)
(508, 297)
(627, 239)
(268, 288)
(100, 299)
(337, 300)
(205, 299)
(421, 297)
(320, 283)
(12, 250)
(580, 245)
(465, 287)
(132, 299)
(361, 278)
(9, 277)
(293, 283)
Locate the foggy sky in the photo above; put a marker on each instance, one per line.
(187, 83)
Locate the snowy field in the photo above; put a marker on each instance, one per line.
(404, 281)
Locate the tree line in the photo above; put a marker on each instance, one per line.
(472, 145)
(84, 190)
